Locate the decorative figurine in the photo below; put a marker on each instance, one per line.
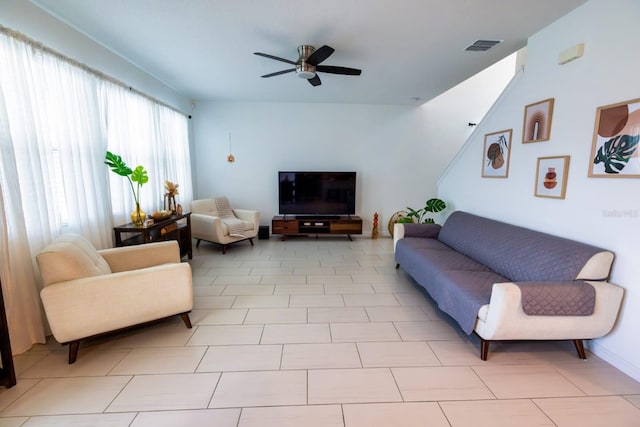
(374, 231)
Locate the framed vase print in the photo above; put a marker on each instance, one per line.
(537, 121)
(614, 149)
(551, 177)
(496, 153)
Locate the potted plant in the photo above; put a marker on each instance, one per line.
(137, 175)
(422, 216)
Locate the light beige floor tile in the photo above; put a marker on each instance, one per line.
(408, 291)
(526, 381)
(418, 414)
(59, 396)
(590, 411)
(337, 314)
(13, 421)
(10, 395)
(316, 356)
(348, 289)
(427, 330)
(598, 378)
(237, 280)
(172, 360)
(226, 335)
(396, 314)
(286, 280)
(440, 383)
(276, 315)
(24, 361)
(271, 301)
(221, 316)
(350, 270)
(166, 392)
(288, 334)
(374, 278)
(533, 352)
(352, 386)
(272, 271)
(91, 362)
(363, 332)
(396, 354)
(376, 300)
(495, 413)
(314, 271)
(207, 291)
(334, 279)
(241, 358)
(317, 301)
(201, 281)
(292, 416)
(169, 333)
(229, 270)
(209, 302)
(93, 420)
(298, 289)
(248, 290)
(262, 388)
(457, 352)
(635, 399)
(191, 418)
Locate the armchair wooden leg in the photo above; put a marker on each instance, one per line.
(73, 351)
(224, 249)
(198, 243)
(251, 241)
(484, 349)
(186, 320)
(580, 349)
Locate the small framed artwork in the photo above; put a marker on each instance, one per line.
(497, 150)
(551, 177)
(614, 149)
(537, 121)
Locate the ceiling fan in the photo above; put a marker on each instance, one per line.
(308, 64)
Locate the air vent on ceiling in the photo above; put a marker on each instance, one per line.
(483, 45)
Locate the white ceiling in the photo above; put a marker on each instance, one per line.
(406, 48)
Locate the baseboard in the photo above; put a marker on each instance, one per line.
(615, 360)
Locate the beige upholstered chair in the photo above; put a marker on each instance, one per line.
(213, 220)
(88, 292)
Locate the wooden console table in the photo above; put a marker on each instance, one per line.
(296, 226)
(176, 227)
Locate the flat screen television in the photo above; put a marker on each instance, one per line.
(317, 193)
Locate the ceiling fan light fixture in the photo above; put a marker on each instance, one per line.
(305, 71)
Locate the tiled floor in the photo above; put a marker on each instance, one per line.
(310, 332)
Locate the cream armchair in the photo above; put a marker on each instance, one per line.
(214, 221)
(88, 292)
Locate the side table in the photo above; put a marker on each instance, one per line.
(176, 227)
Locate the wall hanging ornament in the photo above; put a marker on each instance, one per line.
(230, 157)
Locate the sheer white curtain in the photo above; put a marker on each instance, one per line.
(58, 123)
(148, 134)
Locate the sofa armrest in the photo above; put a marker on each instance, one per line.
(248, 215)
(402, 230)
(92, 305)
(135, 257)
(206, 227)
(503, 318)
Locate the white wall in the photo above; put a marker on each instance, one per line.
(398, 152)
(600, 211)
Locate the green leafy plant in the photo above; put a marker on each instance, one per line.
(137, 175)
(421, 216)
(616, 152)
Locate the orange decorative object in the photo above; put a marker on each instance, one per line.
(374, 231)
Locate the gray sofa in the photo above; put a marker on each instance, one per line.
(505, 282)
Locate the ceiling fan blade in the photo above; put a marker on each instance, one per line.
(320, 55)
(277, 73)
(338, 70)
(266, 55)
(315, 81)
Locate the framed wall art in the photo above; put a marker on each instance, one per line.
(551, 177)
(496, 154)
(614, 149)
(537, 121)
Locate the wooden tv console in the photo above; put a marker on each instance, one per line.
(292, 225)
